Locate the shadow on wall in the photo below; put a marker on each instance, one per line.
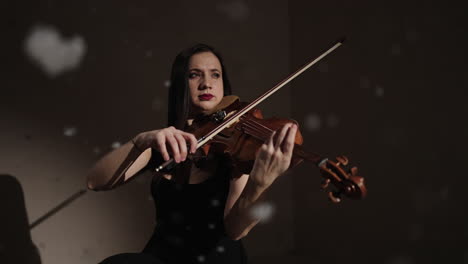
(15, 238)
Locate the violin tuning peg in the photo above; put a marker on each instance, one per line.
(334, 197)
(342, 159)
(325, 184)
(339, 159)
(354, 171)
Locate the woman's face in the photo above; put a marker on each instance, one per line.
(205, 81)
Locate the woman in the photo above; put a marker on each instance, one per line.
(202, 211)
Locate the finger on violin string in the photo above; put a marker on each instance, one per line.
(267, 147)
(281, 135)
(270, 138)
(288, 143)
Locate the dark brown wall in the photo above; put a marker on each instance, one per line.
(397, 92)
(392, 99)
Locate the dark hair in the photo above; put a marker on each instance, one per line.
(179, 94)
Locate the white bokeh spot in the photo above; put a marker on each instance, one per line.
(54, 54)
(201, 258)
(312, 122)
(215, 202)
(116, 145)
(220, 249)
(70, 131)
(379, 91)
(263, 211)
(149, 54)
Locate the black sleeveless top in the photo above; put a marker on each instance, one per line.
(190, 221)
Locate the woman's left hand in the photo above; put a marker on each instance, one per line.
(274, 156)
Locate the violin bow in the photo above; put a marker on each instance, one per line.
(234, 118)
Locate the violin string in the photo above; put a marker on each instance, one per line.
(253, 130)
(258, 130)
(261, 126)
(261, 129)
(254, 133)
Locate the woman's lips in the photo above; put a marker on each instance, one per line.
(205, 96)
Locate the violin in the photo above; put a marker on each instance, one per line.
(238, 129)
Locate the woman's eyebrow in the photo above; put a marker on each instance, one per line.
(212, 70)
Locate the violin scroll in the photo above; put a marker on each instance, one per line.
(345, 179)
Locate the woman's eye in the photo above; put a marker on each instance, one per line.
(216, 75)
(193, 75)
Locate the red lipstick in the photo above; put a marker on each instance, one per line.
(205, 97)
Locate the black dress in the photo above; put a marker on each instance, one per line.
(190, 225)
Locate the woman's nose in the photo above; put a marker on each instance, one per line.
(206, 84)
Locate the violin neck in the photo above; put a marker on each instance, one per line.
(299, 155)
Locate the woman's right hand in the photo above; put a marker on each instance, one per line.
(167, 140)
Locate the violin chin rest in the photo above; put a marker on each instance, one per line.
(225, 102)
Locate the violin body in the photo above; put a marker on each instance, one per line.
(242, 140)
